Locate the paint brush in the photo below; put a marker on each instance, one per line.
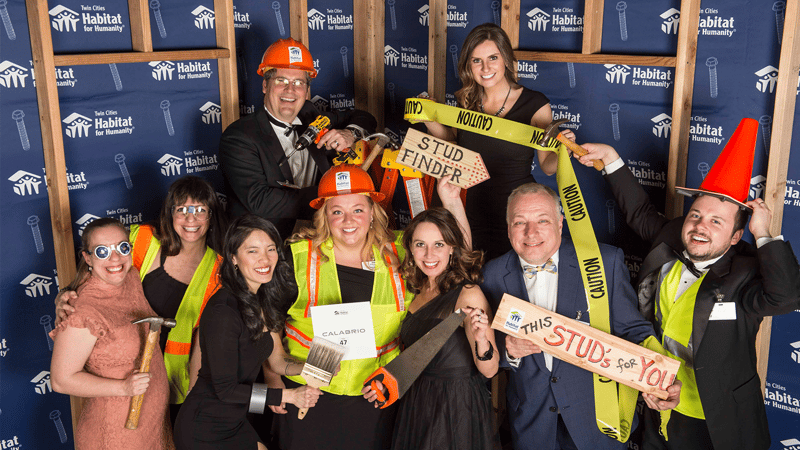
(323, 358)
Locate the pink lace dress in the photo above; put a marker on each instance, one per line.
(107, 311)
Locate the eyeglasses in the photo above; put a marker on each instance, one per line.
(200, 212)
(104, 251)
(284, 82)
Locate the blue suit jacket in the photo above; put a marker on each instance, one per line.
(535, 395)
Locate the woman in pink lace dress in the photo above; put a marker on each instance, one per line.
(97, 348)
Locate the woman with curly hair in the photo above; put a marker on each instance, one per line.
(448, 406)
(241, 328)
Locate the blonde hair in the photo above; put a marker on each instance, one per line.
(379, 235)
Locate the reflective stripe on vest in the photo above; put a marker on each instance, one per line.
(677, 315)
(204, 284)
(388, 303)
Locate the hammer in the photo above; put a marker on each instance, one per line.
(152, 340)
(551, 132)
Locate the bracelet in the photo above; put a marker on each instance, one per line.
(258, 399)
(486, 356)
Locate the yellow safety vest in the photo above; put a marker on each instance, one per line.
(205, 282)
(675, 316)
(318, 284)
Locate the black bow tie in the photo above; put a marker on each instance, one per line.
(688, 264)
(288, 129)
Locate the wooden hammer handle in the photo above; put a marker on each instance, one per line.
(136, 402)
(578, 150)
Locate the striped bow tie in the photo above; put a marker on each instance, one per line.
(549, 266)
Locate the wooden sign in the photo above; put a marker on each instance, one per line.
(586, 347)
(437, 158)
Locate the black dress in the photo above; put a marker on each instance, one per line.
(449, 406)
(214, 413)
(509, 166)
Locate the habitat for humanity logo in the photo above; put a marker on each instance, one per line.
(242, 20)
(85, 220)
(407, 56)
(390, 56)
(212, 113)
(37, 285)
(321, 103)
(25, 183)
(561, 112)
(203, 18)
(162, 70)
(334, 17)
(195, 161)
(671, 20)
(563, 20)
(106, 123)
(527, 70)
(514, 320)
(340, 101)
(12, 75)
(795, 351)
(650, 76)
(704, 132)
(424, 15)
(41, 383)
(456, 19)
(93, 18)
(767, 79)
(715, 25)
(186, 70)
(662, 125)
(778, 397)
(791, 444)
(757, 184)
(124, 216)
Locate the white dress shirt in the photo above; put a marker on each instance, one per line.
(303, 168)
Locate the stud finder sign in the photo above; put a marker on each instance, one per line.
(439, 158)
(586, 347)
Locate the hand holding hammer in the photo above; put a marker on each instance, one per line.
(152, 340)
(552, 132)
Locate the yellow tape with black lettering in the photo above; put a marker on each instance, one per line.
(613, 422)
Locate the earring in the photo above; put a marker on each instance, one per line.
(90, 268)
(236, 267)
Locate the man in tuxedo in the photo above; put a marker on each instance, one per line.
(706, 291)
(263, 173)
(551, 403)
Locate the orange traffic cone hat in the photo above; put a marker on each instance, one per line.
(729, 178)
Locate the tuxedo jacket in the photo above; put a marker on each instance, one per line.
(536, 395)
(250, 153)
(760, 282)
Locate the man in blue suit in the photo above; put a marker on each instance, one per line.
(550, 402)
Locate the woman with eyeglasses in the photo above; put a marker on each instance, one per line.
(178, 264)
(96, 349)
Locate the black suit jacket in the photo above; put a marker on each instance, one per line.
(761, 282)
(249, 154)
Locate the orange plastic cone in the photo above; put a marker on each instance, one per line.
(729, 178)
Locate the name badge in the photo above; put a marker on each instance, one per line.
(347, 324)
(723, 311)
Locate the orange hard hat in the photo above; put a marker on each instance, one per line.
(287, 54)
(345, 179)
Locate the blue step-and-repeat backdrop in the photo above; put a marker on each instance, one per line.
(130, 130)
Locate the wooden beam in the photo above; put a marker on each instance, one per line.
(437, 49)
(226, 66)
(132, 57)
(596, 58)
(368, 38)
(53, 146)
(780, 146)
(592, 27)
(509, 21)
(141, 37)
(682, 105)
(298, 21)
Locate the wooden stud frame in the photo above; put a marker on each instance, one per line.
(45, 63)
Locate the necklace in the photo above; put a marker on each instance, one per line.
(502, 108)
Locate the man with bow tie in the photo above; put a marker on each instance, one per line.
(706, 291)
(263, 173)
(551, 403)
